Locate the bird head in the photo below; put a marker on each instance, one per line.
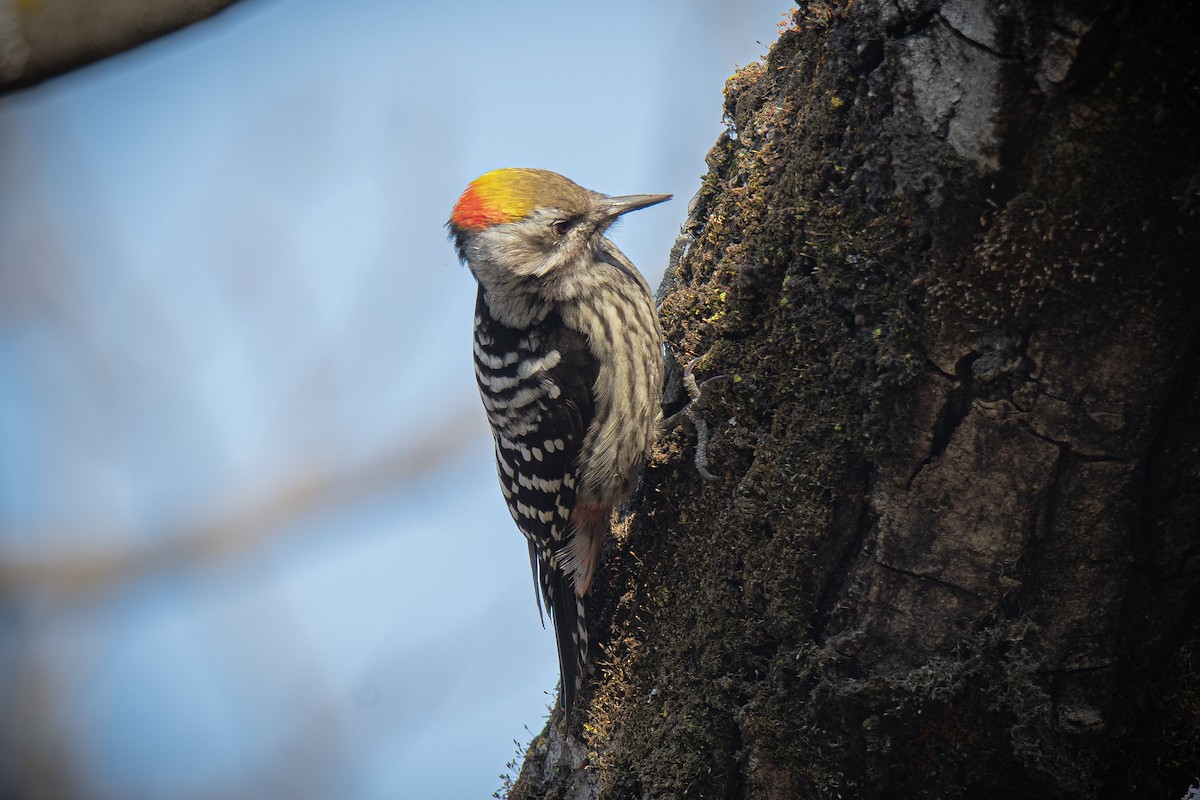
(521, 224)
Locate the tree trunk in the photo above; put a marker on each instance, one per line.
(947, 252)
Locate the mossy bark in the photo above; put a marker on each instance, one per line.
(948, 253)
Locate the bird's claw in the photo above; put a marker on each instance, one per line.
(691, 412)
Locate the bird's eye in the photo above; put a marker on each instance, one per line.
(562, 226)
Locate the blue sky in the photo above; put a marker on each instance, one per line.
(229, 313)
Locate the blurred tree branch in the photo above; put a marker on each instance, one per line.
(237, 530)
(41, 39)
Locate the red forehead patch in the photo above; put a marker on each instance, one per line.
(474, 211)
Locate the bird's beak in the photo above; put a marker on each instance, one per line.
(616, 206)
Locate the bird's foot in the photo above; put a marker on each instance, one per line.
(697, 397)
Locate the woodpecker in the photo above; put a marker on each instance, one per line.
(569, 362)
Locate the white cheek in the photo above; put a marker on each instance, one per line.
(540, 261)
(569, 252)
(533, 264)
(528, 250)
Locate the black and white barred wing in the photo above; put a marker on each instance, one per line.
(537, 386)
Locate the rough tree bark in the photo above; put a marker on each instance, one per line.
(948, 252)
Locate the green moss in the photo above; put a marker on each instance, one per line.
(791, 287)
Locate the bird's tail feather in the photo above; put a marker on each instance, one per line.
(569, 612)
